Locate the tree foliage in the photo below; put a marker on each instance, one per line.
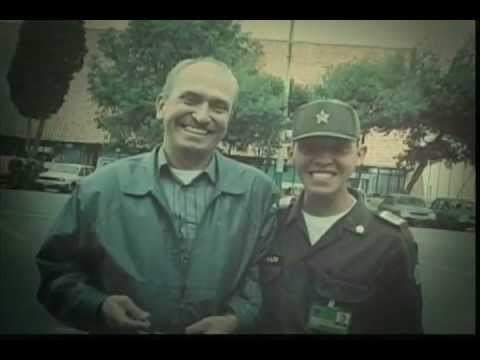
(128, 75)
(417, 93)
(47, 56)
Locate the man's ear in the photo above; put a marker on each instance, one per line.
(159, 105)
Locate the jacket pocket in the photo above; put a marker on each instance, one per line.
(269, 272)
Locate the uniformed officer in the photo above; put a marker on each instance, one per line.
(335, 267)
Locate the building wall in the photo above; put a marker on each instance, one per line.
(74, 122)
(311, 61)
(438, 180)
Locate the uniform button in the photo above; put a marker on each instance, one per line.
(359, 229)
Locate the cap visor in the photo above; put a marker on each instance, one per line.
(326, 134)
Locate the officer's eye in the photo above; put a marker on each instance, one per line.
(342, 148)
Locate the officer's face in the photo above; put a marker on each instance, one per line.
(197, 111)
(324, 164)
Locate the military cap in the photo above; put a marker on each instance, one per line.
(332, 118)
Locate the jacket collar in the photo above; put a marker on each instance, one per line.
(210, 171)
(140, 173)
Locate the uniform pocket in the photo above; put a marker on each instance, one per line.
(331, 288)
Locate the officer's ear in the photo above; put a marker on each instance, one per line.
(361, 152)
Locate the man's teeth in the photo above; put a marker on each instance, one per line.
(196, 130)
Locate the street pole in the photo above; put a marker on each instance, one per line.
(287, 93)
(289, 61)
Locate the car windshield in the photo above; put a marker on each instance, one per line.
(468, 205)
(65, 168)
(411, 201)
(465, 206)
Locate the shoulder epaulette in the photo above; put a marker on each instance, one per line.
(391, 218)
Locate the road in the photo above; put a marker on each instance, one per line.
(447, 268)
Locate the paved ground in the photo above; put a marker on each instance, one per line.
(447, 265)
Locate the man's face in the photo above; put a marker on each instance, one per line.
(197, 111)
(324, 163)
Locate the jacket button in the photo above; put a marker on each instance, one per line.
(184, 258)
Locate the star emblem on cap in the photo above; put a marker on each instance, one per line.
(322, 117)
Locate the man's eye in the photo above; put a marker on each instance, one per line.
(219, 108)
(191, 100)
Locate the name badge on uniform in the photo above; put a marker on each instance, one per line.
(329, 319)
(272, 259)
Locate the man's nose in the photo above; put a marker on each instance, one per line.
(202, 113)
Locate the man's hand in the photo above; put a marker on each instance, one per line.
(120, 313)
(225, 324)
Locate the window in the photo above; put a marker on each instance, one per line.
(65, 168)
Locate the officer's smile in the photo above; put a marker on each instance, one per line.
(322, 175)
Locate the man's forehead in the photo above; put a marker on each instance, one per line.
(202, 91)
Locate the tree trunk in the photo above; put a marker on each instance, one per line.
(416, 175)
(38, 136)
(28, 138)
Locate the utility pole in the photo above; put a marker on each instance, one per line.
(289, 61)
(281, 155)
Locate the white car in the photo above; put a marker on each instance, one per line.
(413, 209)
(62, 176)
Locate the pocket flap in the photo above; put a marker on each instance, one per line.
(341, 290)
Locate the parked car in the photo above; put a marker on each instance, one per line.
(18, 172)
(373, 200)
(63, 176)
(413, 209)
(455, 214)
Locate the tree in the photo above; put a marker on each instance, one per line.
(414, 92)
(299, 95)
(258, 119)
(48, 54)
(126, 79)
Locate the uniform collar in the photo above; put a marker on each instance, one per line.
(139, 178)
(356, 220)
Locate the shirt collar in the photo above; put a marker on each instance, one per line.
(210, 170)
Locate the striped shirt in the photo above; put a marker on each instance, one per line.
(187, 203)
